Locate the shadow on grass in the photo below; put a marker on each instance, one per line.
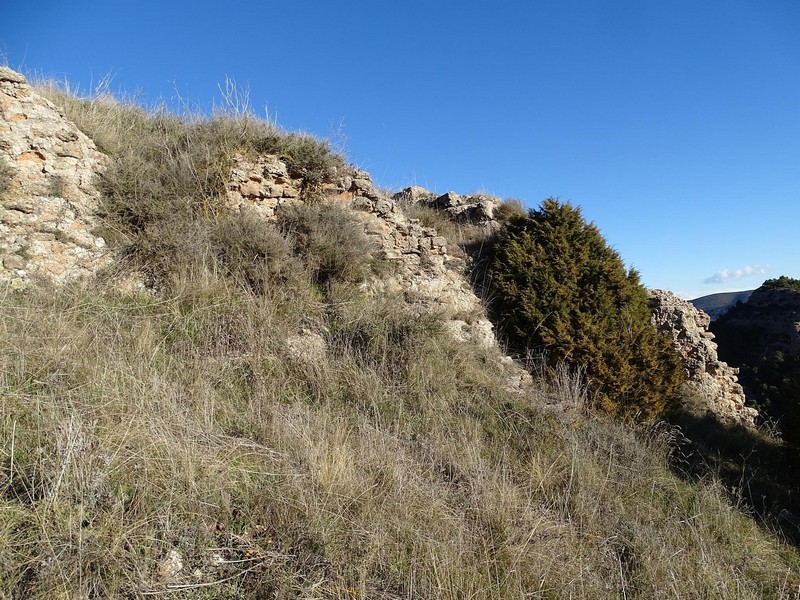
(760, 472)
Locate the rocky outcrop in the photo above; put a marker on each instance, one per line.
(713, 383)
(48, 202)
(476, 209)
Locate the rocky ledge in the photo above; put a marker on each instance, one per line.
(711, 380)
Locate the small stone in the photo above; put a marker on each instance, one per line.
(7, 74)
(384, 207)
(307, 346)
(290, 191)
(169, 568)
(14, 262)
(273, 191)
(413, 194)
(362, 184)
(68, 150)
(251, 189)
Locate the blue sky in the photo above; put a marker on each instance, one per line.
(675, 124)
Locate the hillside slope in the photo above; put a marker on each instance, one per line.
(280, 386)
(716, 305)
(762, 337)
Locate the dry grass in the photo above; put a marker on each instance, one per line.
(393, 464)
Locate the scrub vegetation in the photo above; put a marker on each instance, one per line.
(559, 291)
(145, 429)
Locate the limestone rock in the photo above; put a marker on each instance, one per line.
(49, 204)
(477, 209)
(449, 200)
(170, 567)
(261, 183)
(307, 346)
(413, 194)
(712, 380)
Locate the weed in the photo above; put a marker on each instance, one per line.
(509, 208)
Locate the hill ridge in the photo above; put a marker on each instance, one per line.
(282, 385)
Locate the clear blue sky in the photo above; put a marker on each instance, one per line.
(674, 124)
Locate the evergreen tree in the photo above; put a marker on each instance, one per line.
(558, 289)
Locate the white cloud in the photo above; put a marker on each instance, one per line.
(733, 274)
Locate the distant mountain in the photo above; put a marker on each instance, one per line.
(717, 305)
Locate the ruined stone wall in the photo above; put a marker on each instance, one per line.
(422, 270)
(470, 209)
(48, 201)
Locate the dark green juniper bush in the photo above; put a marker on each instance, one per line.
(557, 289)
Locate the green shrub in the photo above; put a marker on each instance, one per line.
(558, 289)
(330, 240)
(782, 283)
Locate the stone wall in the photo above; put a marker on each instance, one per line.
(48, 202)
(713, 382)
(422, 270)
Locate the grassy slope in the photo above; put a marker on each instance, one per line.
(392, 465)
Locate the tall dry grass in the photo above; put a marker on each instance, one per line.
(392, 465)
(382, 460)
